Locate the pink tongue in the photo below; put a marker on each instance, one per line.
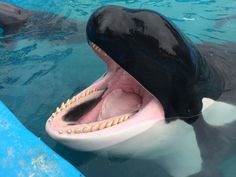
(118, 103)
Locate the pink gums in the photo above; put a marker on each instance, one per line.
(115, 79)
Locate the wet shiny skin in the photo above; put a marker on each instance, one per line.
(155, 53)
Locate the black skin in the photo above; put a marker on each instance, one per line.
(217, 143)
(159, 56)
(41, 25)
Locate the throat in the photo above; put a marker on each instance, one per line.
(119, 102)
(123, 96)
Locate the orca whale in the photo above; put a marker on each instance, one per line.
(162, 99)
(17, 22)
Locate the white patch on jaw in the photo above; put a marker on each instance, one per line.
(172, 145)
(218, 113)
(207, 102)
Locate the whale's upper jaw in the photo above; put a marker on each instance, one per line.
(154, 52)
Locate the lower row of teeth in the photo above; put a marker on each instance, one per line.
(86, 128)
(95, 127)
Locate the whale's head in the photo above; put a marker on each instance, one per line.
(151, 81)
(12, 15)
(152, 51)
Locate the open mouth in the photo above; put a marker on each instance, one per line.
(114, 102)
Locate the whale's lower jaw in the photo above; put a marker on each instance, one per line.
(106, 142)
(155, 141)
(173, 145)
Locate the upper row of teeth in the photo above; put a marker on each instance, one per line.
(97, 48)
(95, 127)
(69, 102)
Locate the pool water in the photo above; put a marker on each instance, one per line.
(36, 75)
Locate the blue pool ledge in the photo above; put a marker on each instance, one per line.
(23, 154)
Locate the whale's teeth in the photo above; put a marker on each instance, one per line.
(96, 47)
(87, 93)
(68, 102)
(58, 110)
(115, 122)
(90, 127)
(69, 131)
(83, 94)
(95, 127)
(102, 125)
(77, 130)
(74, 99)
(87, 129)
(63, 106)
(60, 131)
(109, 124)
(126, 117)
(91, 91)
(121, 119)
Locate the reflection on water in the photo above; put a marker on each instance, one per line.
(36, 75)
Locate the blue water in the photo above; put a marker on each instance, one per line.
(37, 75)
